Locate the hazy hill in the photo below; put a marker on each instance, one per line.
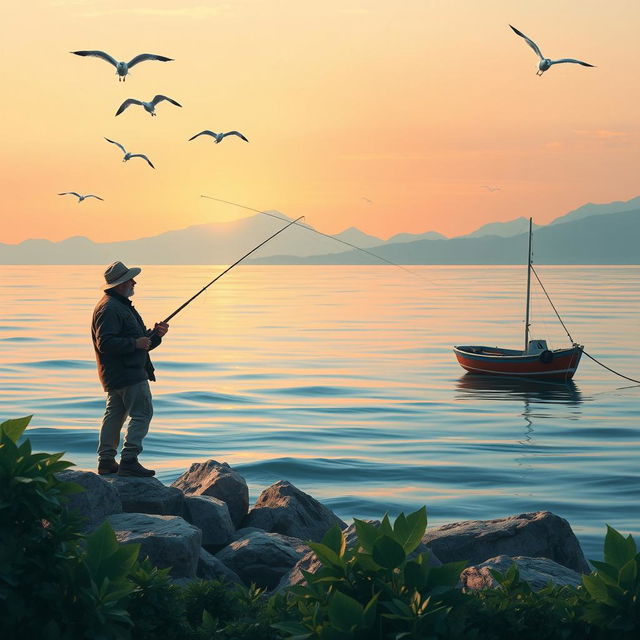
(593, 234)
(603, 239)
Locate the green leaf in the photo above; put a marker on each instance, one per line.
(334, 540)
(628, 575)
(385, 526)
(293, 628)
(369, 613)
(326, 555)
(618, 550)
(367, 534)
(597, 589)
(416, 525)
(344, 612)
(388, 553)
(415, 575)
(446, 575)
(15, 428)
(608, 573)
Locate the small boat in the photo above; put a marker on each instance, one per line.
(536, 360)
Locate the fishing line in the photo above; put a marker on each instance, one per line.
(326, 235)
(570, 338)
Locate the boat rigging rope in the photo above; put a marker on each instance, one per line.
(570, 338)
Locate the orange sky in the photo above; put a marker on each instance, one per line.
(414, 105)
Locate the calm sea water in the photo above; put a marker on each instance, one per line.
(342, 381)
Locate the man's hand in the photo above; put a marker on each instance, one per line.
(143, 343)
(161, 328)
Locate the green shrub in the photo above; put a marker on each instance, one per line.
(374, 590)
(50, 587)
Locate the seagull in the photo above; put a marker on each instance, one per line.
(80, 197)
(492, 189)
(122, 68)
(149, 107)
(128, 155)
(367, 200)
(218, 136)
(545, 63)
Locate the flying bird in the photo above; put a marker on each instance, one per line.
(122, 68)
(128, 155)
(80, 197)
(545, 63)
(218, 136)
(149, 107)
(367, 200)
(492, 189)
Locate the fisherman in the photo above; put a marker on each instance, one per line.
(122, 344)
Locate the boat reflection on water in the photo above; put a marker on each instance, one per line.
(483, 387)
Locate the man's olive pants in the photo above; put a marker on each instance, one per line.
(133, 401)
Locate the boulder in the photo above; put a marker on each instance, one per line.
(210, 568)
(98, 500)
(538, 572)
(262, 557)
(147, 495)
(535, 535)
(217, 480)
(283, 508)
(310, 563)
(212, 517)
(169, 541)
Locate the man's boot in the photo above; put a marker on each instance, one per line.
(131, 467)
(107, 466)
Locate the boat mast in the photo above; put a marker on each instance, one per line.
(526, 319)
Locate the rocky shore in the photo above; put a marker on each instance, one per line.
(202, 526)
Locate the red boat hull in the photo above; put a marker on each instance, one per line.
(560, 365)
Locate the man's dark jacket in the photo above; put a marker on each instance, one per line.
(114, 329)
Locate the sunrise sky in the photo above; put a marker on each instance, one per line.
(414, 105)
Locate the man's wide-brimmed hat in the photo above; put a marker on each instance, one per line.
(117, 273)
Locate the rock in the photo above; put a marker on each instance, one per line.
(147, 495)
(538, 572)
(283, 508)
(245, 531)
(99, 499)
(539, 534)
(217, 480)
(210, 568)
(212, 517)
(262, 557)
(310, 563)
(169, 541)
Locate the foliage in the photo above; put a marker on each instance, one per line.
(375, 589)
(612, 598)
(156, 606)
(57, 584)
(50, 586)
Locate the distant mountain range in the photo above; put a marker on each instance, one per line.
(592, 234)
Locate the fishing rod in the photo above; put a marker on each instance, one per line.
(326, 235)
(246, 255)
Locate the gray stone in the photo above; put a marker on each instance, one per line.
(98, 500)
(245, 531)
(537, 572)
(147, 495)
(212, 517)
(535, 535)
(217, 480)
(169, 541)
(262, 558)
(310, 563)
(283, 508)
(210, 568)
